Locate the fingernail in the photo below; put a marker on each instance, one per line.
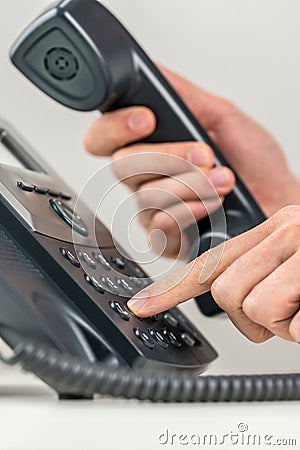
(220, 178)
(138, 302)
(139, 121)
(199, 157)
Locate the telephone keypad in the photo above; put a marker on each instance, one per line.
(168, 332)
(164, 336)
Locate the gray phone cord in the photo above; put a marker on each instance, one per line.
(74, 376)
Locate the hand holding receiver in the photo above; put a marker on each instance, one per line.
(78, 53)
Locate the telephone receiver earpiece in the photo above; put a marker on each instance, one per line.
(79, 54)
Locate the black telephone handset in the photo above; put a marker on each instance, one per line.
(79, 54)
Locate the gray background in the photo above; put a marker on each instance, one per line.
(247, 51)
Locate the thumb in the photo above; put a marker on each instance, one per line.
(209, 109)
(197, 277)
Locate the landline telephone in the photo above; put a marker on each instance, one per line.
(66, 316)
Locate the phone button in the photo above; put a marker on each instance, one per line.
(40, 190)
(169, 319)
(53, 193)
(144, 338)
(118, 309)
(25, 187)
(188, 339)
(94, 283)
(69, 256)
(85, 257)
(111, 286)
(101, 260)
(118, 262)
(65, 196)
(172, 338)
(124, 285)
(159, 338)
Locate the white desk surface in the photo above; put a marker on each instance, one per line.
(32, 418)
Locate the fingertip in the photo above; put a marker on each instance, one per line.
(231, 177)
(117, 129)
(223, 179)
(201, 155)
(210, 154)
(149, 302)
(228, 174)
(89, 141)
(138, 303)
(141, 121)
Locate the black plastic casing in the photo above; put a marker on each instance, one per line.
(111, 72)
(47, 296)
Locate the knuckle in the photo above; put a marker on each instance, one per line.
(171, 160)
(216, 291)
(200, 264)
(250, 308)
(119, 154)
(145, 197)
(91, 143)
(201, 261)
(295, 286)
(118, 165)
(162, 221)
(167, 160)
(221, 293)
(289, 232)
(294, 330)
(259, 337)
(207, 148)
(228, 106)
(143, 220)
(264, 322)
(287, 213)
(286, 226)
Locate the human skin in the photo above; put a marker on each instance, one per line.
(254, 154)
